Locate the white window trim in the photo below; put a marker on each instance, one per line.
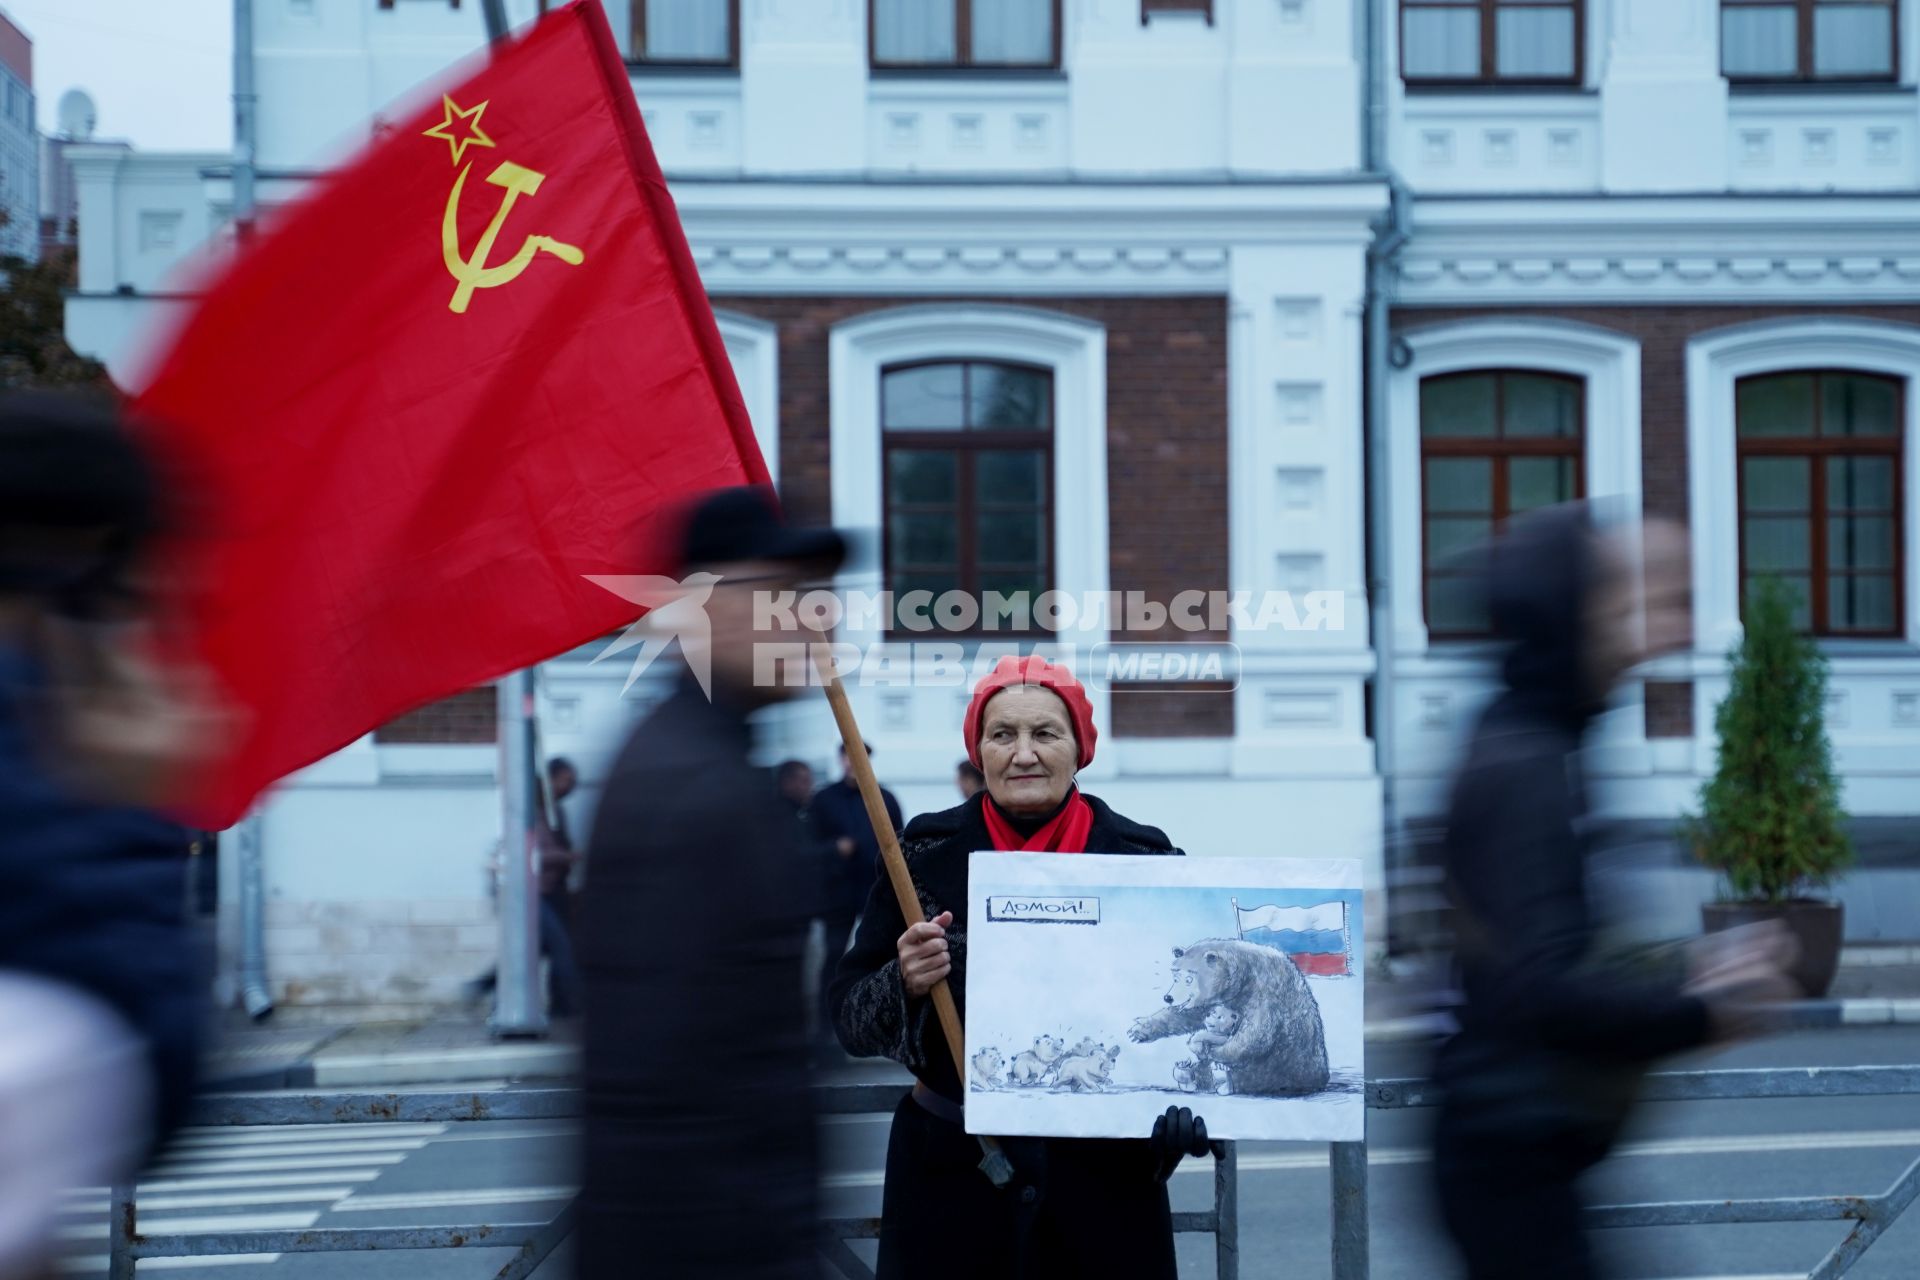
(1074, 348)
(1715, 361)
(755, 343)
(1609, 363)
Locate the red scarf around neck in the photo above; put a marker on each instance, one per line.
(1067, 832)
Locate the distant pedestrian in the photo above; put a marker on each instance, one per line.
(1553, 1032)
(850, 870)
(700, 1155)
(968, 778)
(101, 993)
(794, 778)
(558, 858)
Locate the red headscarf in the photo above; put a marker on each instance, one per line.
(1069, 829)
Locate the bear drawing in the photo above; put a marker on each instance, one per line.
(1088, 1071)
(1086, 1048)
(1217, 1030)
(986, 1068)
(1037, 1063)
(1277, 1046)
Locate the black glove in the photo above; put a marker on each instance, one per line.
(1176, 1135)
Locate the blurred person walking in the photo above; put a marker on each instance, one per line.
(558, 858)
(1554, 1035)
(968, 779)
(700, 1150)
(850, 867)
(101, 992)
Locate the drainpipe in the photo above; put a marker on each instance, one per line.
(246, 125)
(1389, 236)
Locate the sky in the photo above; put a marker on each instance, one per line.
(160, 71)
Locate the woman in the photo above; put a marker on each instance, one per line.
(1075, 1206)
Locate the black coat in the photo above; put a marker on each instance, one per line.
(1076, 1207)
(700, 1148)
(1553, 1037)
(95, 897)
(837, 810)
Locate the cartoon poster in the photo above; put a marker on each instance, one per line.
(1103, 989)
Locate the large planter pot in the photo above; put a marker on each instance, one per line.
(1817, 926)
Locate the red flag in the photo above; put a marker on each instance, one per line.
(461, 375)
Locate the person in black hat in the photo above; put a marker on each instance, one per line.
(700, 1154)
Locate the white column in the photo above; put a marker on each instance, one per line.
(1293, 85)
(803, 86)
(1663, 101)
(96, 173)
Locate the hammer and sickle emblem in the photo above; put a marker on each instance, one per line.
(473, 272)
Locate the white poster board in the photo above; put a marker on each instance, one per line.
(1103, 989)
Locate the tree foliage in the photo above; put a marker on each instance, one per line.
(33, 342)
(1770, 817)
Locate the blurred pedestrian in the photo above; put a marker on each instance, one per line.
(101, 993)
(968, 778)
(1077, 1207)
(851, 863)
(558, 858)
(794, 778)
(1554, 1033)
(699, 1146)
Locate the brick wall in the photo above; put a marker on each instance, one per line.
(1663, 334)
(1166, 451)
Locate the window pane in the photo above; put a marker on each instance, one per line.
(1538, 482)
(1455, 606)
(1019, 31)
(939, 582)
(1756, 41)
(921, 475)
(1006, 396)
(1853, 40)
(1460, 484)
(1012, 538)
(923, 541)
(1535, 43)
(1854, 404)
(1779, 405)
(1778, 543)
(688, 31)
(1540, 406)
(1775, 484)
(1860, 484)
(1799, 597)
(925, 397)
(1010, 475)
(914, 31)
(1461, 405)
(1449, 537)
(1441, 43)
(1860, 542)
(1863, 603)
(1009, 582)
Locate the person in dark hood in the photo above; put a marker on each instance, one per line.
(700, 1150)
(1552, 1037)
(101, 986)
(1075, 1207)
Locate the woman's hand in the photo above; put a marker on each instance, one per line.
(1178, 1134)
(923, 955)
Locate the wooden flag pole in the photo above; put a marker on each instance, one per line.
(995, 1165)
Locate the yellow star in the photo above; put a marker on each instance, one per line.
(470, 134)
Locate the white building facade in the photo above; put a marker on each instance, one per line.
(1128, 240)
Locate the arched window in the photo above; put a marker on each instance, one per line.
(1820, 494)
(967, 476)
(1493, 443)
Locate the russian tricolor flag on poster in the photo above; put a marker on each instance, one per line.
(1315, 938)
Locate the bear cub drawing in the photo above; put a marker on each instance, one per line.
(1197, 1073)
(1088, 1071)
(1036, 1064)
(1276, 1045)
(986, 1068)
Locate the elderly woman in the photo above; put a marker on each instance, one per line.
(1075, 1206)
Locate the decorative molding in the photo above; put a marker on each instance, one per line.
(1717, 359)
(996, 268)
(1687, 279)
(753, 346)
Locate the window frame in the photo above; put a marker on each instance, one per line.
(967, 440)
(637, 36)
(962, 46)
(1488, 76)
(1817, 449)
(1149, 8)
(1804, 11)
(1502, 449)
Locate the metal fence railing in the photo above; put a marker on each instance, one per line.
(1870, 1214)
(532, 1241)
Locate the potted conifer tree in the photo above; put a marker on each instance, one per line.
(1770, 820)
